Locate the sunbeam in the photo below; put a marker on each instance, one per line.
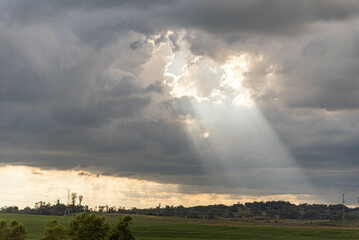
(239, 150)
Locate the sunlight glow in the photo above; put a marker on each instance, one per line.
(181, 87)
(206, 134)
(235, 70)
(206, 80)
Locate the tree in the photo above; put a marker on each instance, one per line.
(89, 227)
(4, 231)
(122, 231)
(80, 199)
(73, 198)
(15, 232)
(101, 209)
(54, 231)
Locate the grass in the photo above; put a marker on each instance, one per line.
(160, 228)
(34, 224)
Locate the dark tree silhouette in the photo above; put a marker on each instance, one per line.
(89, 227)
(122, 231)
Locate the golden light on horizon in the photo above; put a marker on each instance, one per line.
(28, 185)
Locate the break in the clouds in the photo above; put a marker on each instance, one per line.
(216, 96)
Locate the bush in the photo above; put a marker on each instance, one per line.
(4, 231)
(121, 231)
(15, 232)
(89, 227)
(54, 231)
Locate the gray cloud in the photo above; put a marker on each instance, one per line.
(74, 91)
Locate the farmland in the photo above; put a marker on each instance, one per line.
(151, 227)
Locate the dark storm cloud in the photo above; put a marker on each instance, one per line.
(101, 113)
(320, 141)
(263, 17)
(225, 17)
(72, 92)
(75, 96)
(19, 82)
(326, 75)
(155, 87)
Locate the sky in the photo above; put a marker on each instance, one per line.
(179, 102)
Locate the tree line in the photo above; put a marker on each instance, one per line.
(83, 226)
(46, 208)
(265, 210)
(256, 210)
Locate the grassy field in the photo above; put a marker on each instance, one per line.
(148, 227)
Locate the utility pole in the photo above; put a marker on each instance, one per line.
(68, 210)
(343, 209)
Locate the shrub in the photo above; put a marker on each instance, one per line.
(89, 227)
(54, 231)
(4, 231)
(15, 232)
(122, 231)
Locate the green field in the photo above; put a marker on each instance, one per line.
(147, 227)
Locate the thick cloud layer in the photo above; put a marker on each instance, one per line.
(84, 85)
